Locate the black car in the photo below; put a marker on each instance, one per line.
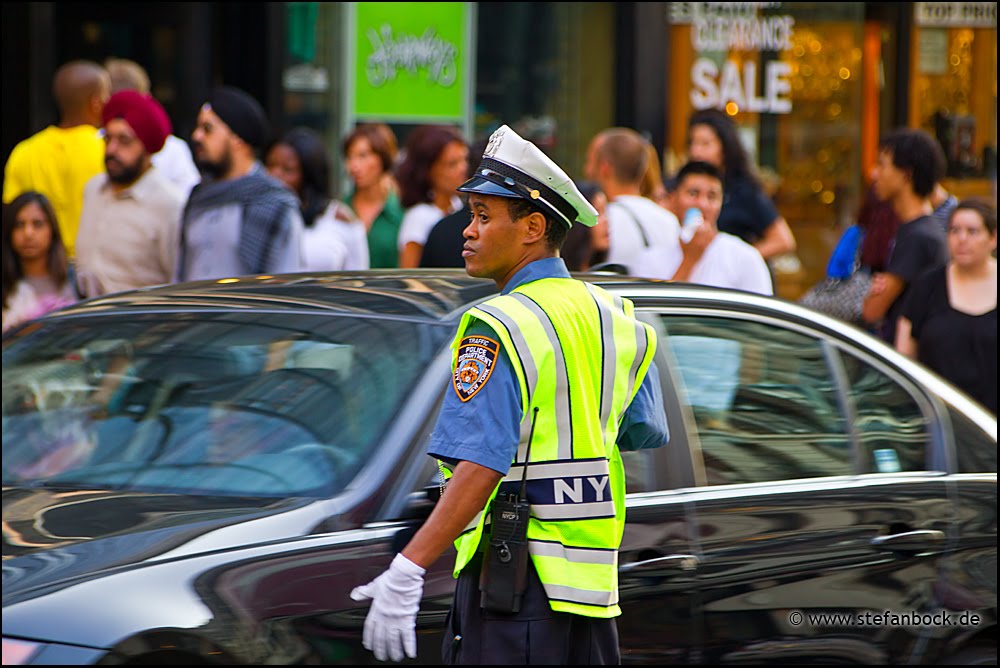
(202, 472)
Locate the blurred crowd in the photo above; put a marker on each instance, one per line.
(110, 199)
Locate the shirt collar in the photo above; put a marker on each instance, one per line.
(550, 267)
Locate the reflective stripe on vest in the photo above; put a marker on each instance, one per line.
(579, 356)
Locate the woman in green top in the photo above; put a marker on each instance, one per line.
(370, 154)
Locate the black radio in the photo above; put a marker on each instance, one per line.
(504, 575)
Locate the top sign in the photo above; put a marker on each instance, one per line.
(683, 13)
(956, 14)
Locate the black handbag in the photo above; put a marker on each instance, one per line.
(841, 298)
(842, 293)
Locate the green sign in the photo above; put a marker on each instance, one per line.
(411, 61)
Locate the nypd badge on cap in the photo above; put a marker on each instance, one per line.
(514, 167)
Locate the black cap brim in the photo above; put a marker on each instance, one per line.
(483, 186)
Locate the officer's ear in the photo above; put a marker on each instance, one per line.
(534, 227)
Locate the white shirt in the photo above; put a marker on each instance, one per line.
(176, 164)
(34, 297)
(419, 219)
(128, 239)
(335, 242)
(728, 262)
(641, 233)
(213, 245)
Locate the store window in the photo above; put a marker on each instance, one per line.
(546, 70)
(789, 74)
(312, 72)
(953, 89)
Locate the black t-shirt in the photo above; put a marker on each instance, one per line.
(445, 241)
(747, 211)
(960, 347)
(919, 246)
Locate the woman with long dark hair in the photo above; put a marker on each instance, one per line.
(435, 165)
(35, 267)
(334, 238)
(747, 211)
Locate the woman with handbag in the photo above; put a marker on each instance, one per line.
(863, 249)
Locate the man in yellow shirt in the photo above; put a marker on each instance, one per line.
(59, 160)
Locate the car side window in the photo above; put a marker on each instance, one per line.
(975, 451)
(762, 397)
(891, 427)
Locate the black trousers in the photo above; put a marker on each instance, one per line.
(535, 635)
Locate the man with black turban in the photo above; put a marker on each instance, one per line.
(239, 220)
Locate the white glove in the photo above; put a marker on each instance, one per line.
(390, 627)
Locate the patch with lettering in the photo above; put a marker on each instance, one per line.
(476, 357)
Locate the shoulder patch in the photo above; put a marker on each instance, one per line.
(476, 357)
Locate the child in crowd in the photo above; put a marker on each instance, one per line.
(35, 266)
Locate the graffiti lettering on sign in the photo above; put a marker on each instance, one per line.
(411, 54)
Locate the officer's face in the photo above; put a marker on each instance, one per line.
(494, 245)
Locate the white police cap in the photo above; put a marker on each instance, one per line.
(514, 167)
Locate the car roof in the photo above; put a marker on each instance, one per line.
(431, 294)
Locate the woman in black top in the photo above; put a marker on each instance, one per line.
(747, 211)
(949, 319)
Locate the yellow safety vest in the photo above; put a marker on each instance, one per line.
(579, 356)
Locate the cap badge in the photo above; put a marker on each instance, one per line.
(494, 145)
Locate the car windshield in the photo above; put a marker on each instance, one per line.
(214, 403)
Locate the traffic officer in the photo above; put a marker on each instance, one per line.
(551, 378)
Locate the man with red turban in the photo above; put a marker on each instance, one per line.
(131, 214)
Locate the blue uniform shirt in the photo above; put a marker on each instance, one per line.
(486, 428)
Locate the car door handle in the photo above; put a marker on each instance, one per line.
(661, 565)
(910, 541)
